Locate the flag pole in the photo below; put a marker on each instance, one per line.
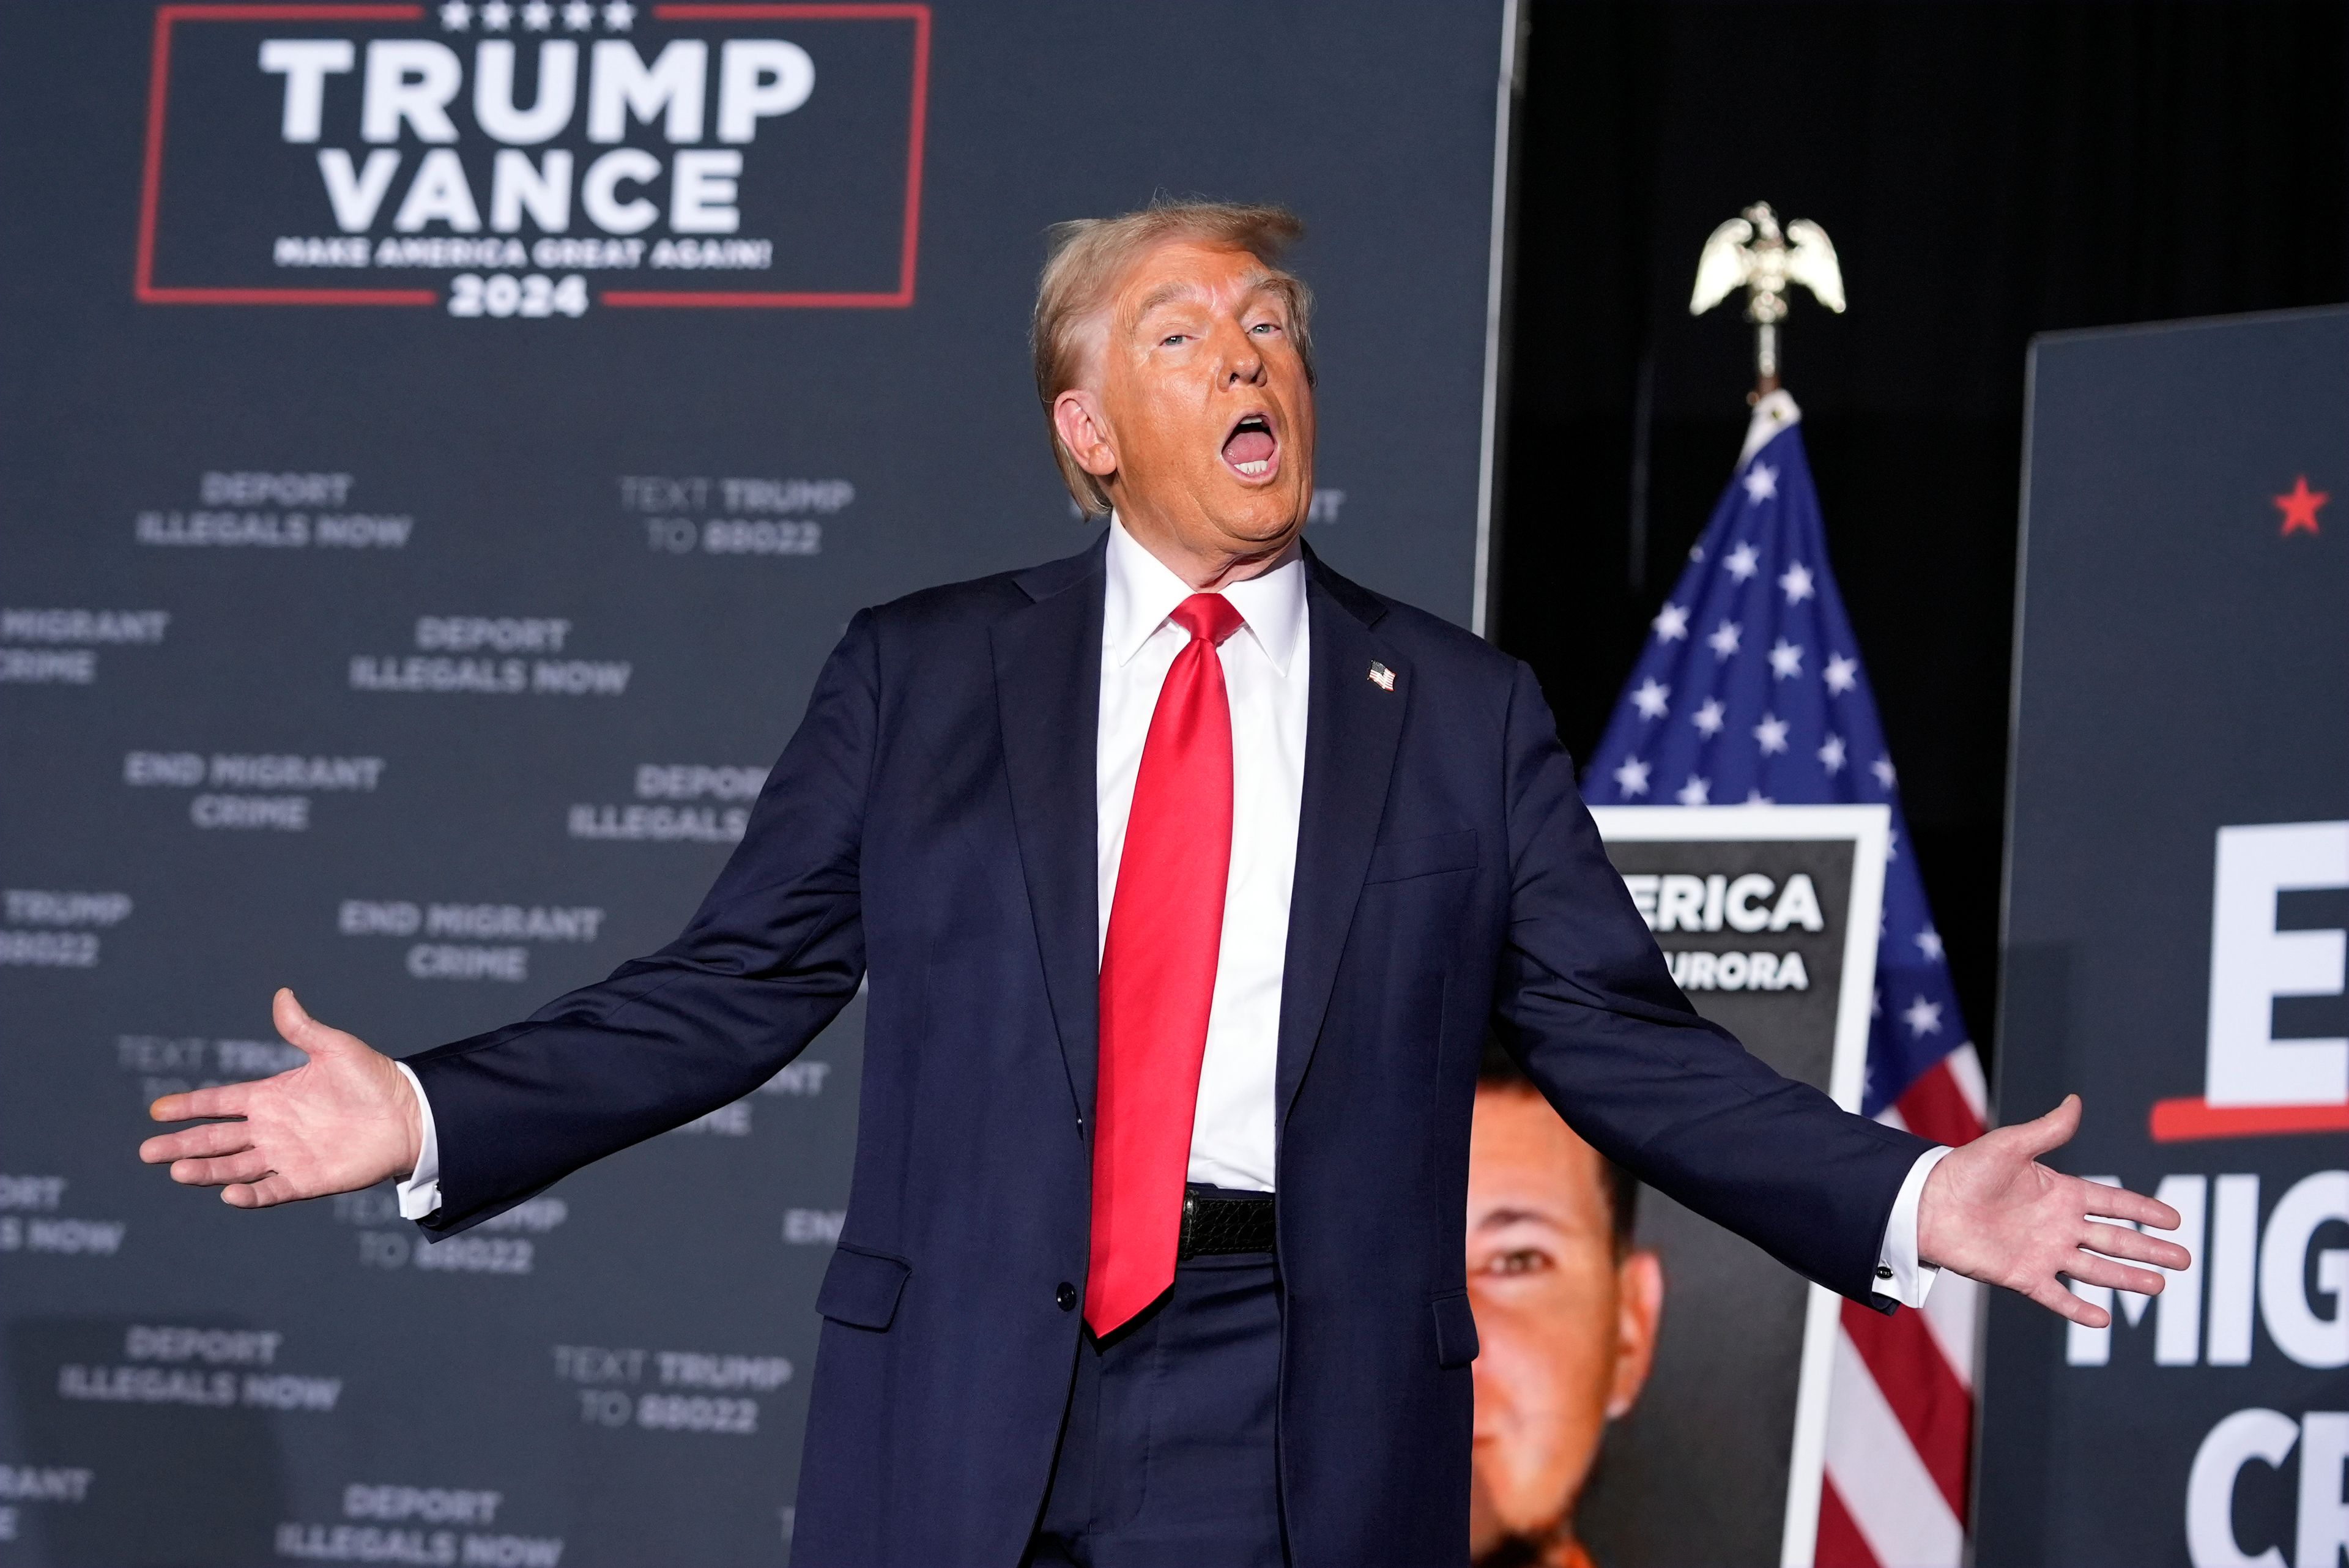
(1765, 360)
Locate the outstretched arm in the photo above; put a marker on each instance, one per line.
(1587, 1003)
(775, 950)
(342, 1120)
(1993, 1213)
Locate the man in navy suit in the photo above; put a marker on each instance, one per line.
(1189, 878)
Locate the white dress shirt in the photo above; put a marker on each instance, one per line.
(1265, 665)
(1265, 675)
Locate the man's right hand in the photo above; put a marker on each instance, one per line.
(342, 1120)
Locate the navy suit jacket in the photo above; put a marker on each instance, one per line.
(932, 825)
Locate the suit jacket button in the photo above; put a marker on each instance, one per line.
(1065, 1294)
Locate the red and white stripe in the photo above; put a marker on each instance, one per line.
(1900, 1410)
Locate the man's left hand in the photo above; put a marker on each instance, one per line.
(1993, 1213)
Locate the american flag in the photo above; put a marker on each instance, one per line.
(1749, 690)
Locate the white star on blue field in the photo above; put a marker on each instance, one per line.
(1750, 689)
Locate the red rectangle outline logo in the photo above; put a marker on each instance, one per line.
(158, 94)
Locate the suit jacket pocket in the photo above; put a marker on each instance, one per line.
(861, 1289)
(1423, 856)
(1456, 1330)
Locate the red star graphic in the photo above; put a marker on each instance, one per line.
(2299, 508)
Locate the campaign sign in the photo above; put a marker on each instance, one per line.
(1767, 915)
(526, 157)
(2177, 890)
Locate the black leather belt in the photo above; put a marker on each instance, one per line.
(1215, 1223)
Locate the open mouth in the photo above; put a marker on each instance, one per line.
(1250, 447)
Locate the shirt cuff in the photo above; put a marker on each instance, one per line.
(1899, 1272)
(420, 1195)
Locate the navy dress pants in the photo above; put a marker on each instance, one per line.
(1167, 1458)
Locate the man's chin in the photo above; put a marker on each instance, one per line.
(1253, 508)
(1495, 1540)
(1512, 1551)
(1258, 525)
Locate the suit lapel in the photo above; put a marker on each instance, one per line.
(1048, 693)
(1351, 729)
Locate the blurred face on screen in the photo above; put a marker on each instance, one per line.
(1197, 414)
(1565, 1321)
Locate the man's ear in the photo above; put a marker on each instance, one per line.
(1085, 432)
(1639, 1311)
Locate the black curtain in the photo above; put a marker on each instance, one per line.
(1986, 172)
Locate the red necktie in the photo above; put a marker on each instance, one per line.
(1158, 973)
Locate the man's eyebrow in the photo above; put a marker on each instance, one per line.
(1165, 294)
(1495, 1218)
(1169, 292)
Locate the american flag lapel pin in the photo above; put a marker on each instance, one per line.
(1382, 677)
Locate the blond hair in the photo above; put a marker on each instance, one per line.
(1088, 257)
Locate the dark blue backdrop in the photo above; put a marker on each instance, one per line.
(2183, 671)
(417, 641)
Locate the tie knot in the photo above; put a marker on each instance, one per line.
(1208, 616)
